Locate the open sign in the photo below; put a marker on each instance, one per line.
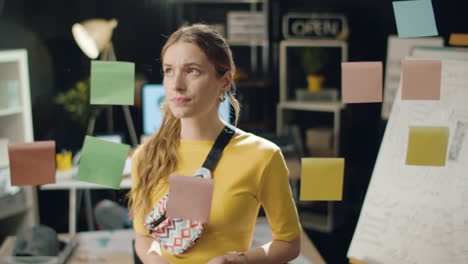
(300, 25)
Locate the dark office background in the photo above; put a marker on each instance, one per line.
(56, 63)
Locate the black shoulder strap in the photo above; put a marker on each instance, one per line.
(221, 142)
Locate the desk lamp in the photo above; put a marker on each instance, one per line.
(94, 37)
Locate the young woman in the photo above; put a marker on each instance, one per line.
(198, 74)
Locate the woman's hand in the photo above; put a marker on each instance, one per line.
(227, 259)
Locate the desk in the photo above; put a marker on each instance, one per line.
(93, 247)
(309, 253)
(64, 181)
(116, 246)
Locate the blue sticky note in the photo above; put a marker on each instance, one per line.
(415, 18)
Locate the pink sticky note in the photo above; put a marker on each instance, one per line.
(361, 82)
(421, 79)
(32, 163)
(190, 198)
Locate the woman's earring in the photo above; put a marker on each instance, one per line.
(222, 97)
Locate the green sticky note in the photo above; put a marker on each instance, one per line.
(427, 146)
(112, 82)
(322, 179)
(102, 162)
(415, 18)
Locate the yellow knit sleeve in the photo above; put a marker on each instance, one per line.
(276, 198)
(138, 218)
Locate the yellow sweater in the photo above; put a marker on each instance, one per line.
(250, 173)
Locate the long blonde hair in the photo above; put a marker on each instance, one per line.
(159, 155)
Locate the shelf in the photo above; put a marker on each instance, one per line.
(313, 221)
(246, 83)
(11, 205)
(219, 1)
(16, 126)
(260, 125)
(314, 43)
(245, 42)
(13, 211)
(10, 111)
(312, 106)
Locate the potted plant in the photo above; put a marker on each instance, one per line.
(313, 60)
(76, 103)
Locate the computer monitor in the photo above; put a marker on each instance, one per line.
(152, 97)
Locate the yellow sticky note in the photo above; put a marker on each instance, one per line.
(427, 146)
(322, 179)
(458, 39)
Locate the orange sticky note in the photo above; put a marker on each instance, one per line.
(322, 179)
(356, 261)
(32, 163)
(361, 82)
(427, 146)
(421, 79)
(190, 198)
(458, 39)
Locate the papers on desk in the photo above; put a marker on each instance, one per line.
(127, 167)
(300, 260)
(112, 82)
(101, 242)
(415, 18)
(5, 185)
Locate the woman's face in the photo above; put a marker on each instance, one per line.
(190, 81)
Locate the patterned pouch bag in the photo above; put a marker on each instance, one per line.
(177, 235)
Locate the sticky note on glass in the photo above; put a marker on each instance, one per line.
(32, 163)
(458, 39)
(112, 82)
(102, 162)
(361, 82)
(421, 79)
(415, 18)
(427, 146)
(322, 179)
(190, 198)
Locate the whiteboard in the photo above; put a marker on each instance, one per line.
(440, 53)
(419, 214)
(398, 49)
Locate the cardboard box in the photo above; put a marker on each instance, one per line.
(319, 142)
(294, 167)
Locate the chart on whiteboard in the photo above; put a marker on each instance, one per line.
(419, 214)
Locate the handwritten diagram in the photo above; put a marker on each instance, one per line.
(419, 214)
